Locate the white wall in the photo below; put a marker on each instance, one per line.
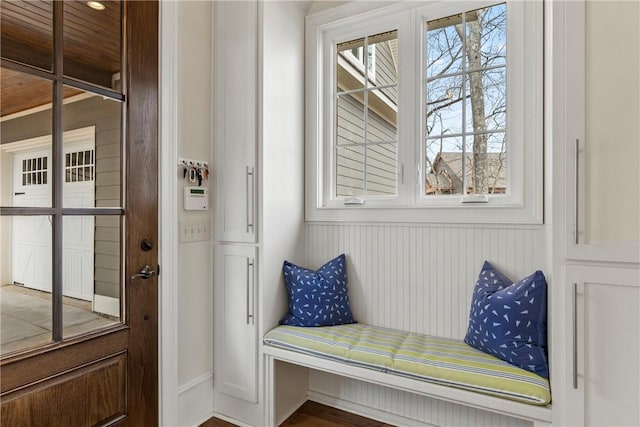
(612, 121)
(194, 287)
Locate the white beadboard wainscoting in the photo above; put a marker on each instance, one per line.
(417, 278)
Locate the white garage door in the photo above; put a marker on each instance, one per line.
(32, 235)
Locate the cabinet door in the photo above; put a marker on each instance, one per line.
(235, 341)
(602, 107)
(235, 120)
(605, 390)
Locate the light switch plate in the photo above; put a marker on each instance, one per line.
(194, 231)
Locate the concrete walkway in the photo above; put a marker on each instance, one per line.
(26, 318)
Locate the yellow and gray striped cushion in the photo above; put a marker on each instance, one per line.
(438, 360)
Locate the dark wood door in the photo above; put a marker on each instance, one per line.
(100, 375)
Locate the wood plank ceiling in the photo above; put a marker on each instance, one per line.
(92, 40)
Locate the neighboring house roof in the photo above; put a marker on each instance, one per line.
(445, 175)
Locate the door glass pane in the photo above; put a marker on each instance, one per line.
(91, 273)
(25, 132)
(25, 282)
(27, 32)
(92, 152)
(92, 40)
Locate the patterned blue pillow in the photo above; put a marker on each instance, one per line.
(317, 298)
(509, 320)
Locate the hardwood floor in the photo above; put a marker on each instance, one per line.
(313, 414)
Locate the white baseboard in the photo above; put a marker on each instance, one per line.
(195, 401)
(365, 411)
(230, 420)
(106, 305)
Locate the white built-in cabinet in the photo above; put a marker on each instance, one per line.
(235, 328)
(258, 206)
(605, 346)
(235, 120)
(595, 298)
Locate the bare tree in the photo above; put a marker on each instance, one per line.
(476, 90)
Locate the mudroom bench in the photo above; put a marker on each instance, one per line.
(435, 367)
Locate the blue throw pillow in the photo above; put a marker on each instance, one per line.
(317, 298)
(509, 320)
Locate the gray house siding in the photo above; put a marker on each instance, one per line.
(381, 158)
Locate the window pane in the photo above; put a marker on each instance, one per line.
(350, 119)
(349, 171)
(497, 175)
(486, 108)
(382, 62)
(92, 146)
(444, 106)
(486, 163)
(471, 103)
(349, 65)
(92, 41)
(487, 34)
(27, 32)
(444, 48)
(381, 118)
(26, 140)
(444, 166)
(25, 282)
(91, 273)
(381, 169)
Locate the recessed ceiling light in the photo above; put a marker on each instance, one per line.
(95, 5)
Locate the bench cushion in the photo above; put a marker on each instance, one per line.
(438, 360)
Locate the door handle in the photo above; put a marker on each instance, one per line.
(145, 273)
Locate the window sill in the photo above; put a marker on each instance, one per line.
(468, 213)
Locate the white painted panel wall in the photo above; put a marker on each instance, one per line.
(194, 288)
(397, 407)
(418, 278)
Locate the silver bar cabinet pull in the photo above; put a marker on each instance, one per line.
(250, 198)
(249, 292)
(577, 189)
(575, 335)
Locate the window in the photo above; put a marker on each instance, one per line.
(79, 166)
(427, 112)
(465, 111)
(365, 116)
(34, 171)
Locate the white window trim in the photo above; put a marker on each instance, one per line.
(371, 26)
(523, 202)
